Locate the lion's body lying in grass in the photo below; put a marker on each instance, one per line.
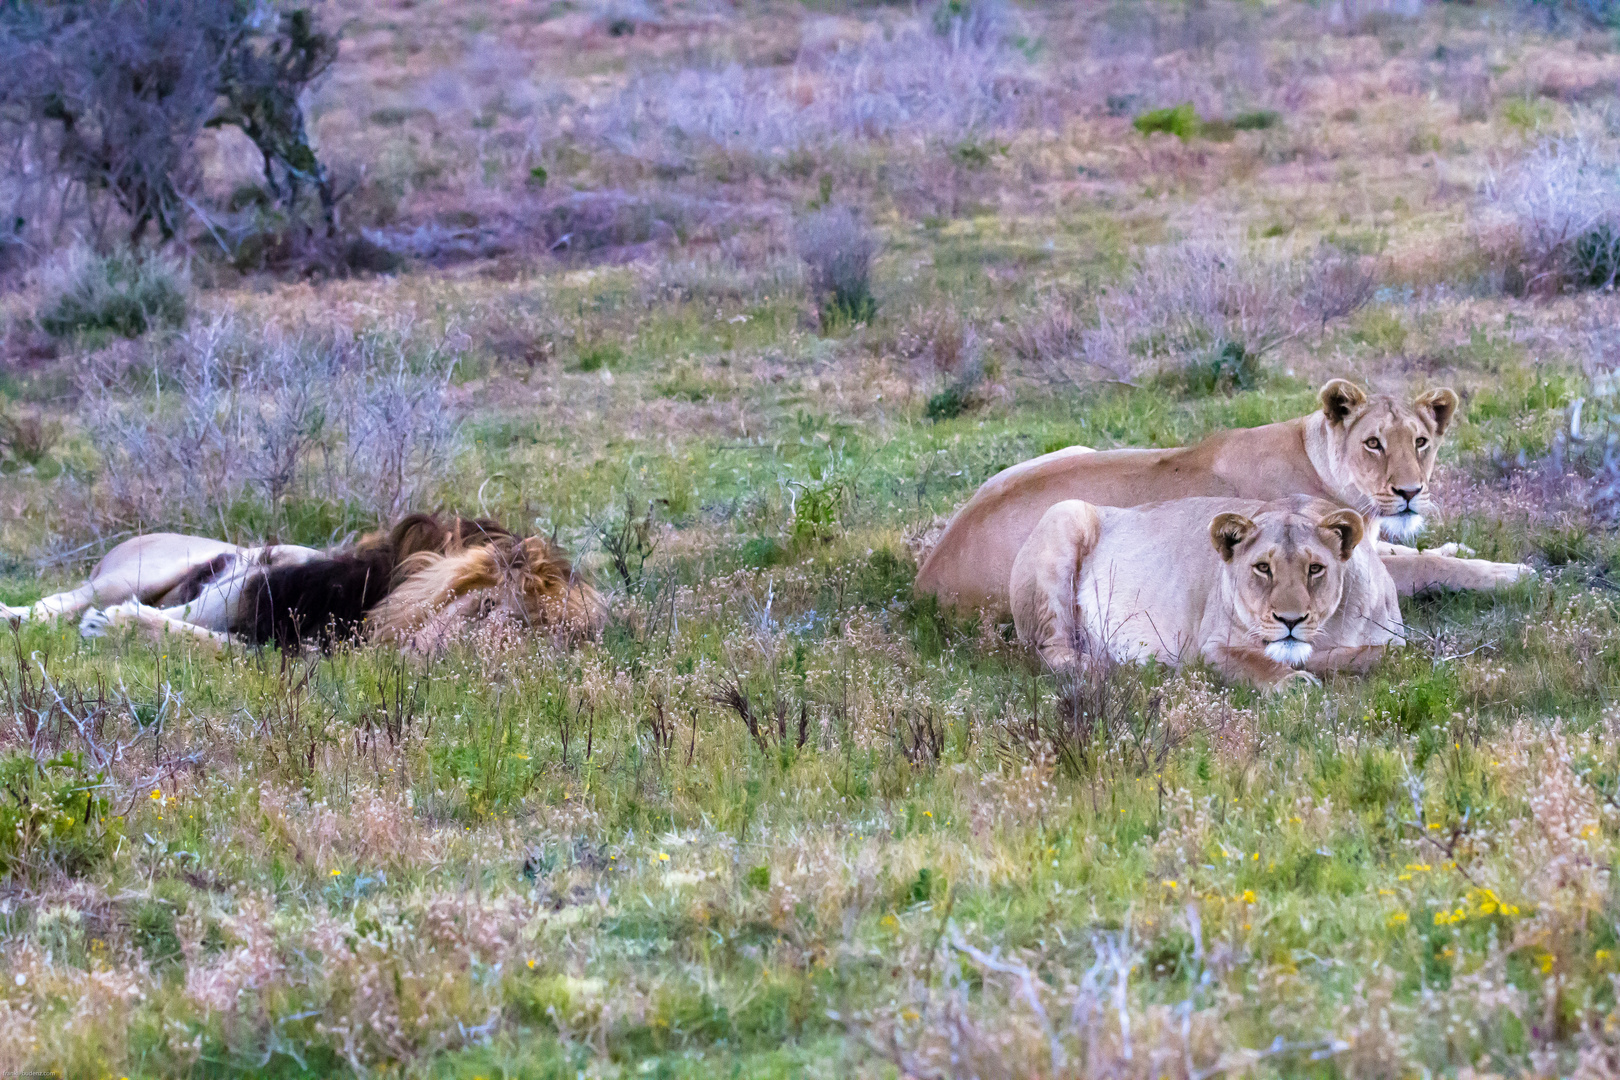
(1266, 592)
(1373, 455)
(294, 596)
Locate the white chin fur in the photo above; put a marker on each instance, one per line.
(1289, 651)
(1402, 526)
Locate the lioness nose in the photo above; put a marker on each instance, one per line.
(1409, 493)
(1290, 621)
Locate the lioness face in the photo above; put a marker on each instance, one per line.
(1388, 448)
(1284, 573)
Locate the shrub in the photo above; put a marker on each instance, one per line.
(1195, 308)
(1337, 283)
(838, 249)
(1178, 120)
(116, 95)
(957, 398)
(948, 79)
(120, 293)
(1562, 204)
(1256, 120)
(28, 437)
(51, 814)
(230, 416)
(979, 23)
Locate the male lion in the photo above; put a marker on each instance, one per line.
(1372, 454)
(294, 596)
(1266, 592)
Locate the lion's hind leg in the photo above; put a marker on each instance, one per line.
(1045, 576)
(142, 568)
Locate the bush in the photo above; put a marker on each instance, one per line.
(121, 293)
(1256, 120)
(116, 95)
(28, 437)
(1202, 309)
(1562, 204)
(233, 422)
(52, 815)
(1180, 120)
(838, 250)
(949, 78)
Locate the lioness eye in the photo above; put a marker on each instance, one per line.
(1422, 442)
(1317, 568)
(1262, 568)
(1373, 444)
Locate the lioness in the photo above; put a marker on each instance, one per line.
(1266, 592)
(1372, 454)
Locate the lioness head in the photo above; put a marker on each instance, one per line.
(1285, 571)
(1386, 450)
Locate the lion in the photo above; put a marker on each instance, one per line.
(215, 592)
(1373, 454)
(1268, 593)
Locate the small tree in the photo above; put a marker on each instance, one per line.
(115, 94)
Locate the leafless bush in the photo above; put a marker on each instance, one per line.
(1000, 1017)
(1105, 712)
(838, 249)
(920, 733)
(1150, 56)
(1589, 440)
(111, 98)
(1192, 304)
(1337, 283)
(1562, 202)
(227, 415)
(1049, 334)
(916, 81)
(770, 718)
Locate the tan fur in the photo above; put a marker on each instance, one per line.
(1324, 455)
(528, 581)
(1217, 579)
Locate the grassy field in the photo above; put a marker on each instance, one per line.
(786, 818)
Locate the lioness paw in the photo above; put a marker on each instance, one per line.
(1518, 571)
(94, 624)
(1295, 680)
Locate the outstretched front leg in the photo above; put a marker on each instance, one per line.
(1417, 572)
(155, 625)
(1045, 596)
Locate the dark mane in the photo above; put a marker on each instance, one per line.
(325, 600)
(321, 602)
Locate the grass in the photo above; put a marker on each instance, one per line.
(525, 862)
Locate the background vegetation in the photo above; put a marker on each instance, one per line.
(740, 301)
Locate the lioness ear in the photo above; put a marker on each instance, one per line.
(1227, 531)
(1340, 398)
(1440, 404)
(1344, 530)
